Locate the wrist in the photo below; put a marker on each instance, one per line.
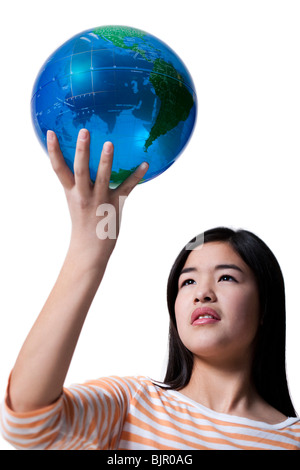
(88, 256)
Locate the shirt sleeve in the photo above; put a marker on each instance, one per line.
(89, 416)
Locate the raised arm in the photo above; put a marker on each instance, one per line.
(39, 372)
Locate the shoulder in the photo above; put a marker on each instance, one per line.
(115, 385)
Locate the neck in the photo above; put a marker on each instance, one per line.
(226, 389)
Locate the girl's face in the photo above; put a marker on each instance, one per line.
(217, 305)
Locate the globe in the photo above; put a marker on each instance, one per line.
(123, 85)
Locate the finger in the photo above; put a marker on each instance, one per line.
(81, 162)
(104, 168)
(129, 184)
(58, 163)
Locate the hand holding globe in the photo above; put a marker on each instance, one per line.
(92, 240)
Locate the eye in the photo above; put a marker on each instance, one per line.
(187, 282)
(227, 278)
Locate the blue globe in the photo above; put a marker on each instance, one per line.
(124, 85)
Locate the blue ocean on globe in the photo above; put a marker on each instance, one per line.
(123, 85)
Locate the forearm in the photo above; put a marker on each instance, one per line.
(39, 373)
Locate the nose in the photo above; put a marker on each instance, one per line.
(205, 295)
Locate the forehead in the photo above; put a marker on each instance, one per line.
(211, 254)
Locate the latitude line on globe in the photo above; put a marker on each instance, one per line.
(114, 68)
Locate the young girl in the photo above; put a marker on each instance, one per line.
(225, 386)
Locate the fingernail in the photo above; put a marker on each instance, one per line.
(83, 134)
(107, 147)
(50, 136)
(144, 165)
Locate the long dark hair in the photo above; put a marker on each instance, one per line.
(268, 371)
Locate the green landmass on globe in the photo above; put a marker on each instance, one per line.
(117, 35)
(124, 85)
(176, 99)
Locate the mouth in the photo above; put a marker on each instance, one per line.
(204, 315)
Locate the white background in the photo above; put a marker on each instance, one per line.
(239, 170)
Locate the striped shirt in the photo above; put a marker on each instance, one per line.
(135, 413)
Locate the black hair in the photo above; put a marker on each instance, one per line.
(269, 368)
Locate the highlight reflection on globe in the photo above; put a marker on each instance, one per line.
(124, 85)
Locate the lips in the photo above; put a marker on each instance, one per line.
(204, 315)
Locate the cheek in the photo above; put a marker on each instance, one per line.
(178, 309)
(245, 313)
(182, 310)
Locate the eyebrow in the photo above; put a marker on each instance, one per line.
(228, 266)
(218, 267)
